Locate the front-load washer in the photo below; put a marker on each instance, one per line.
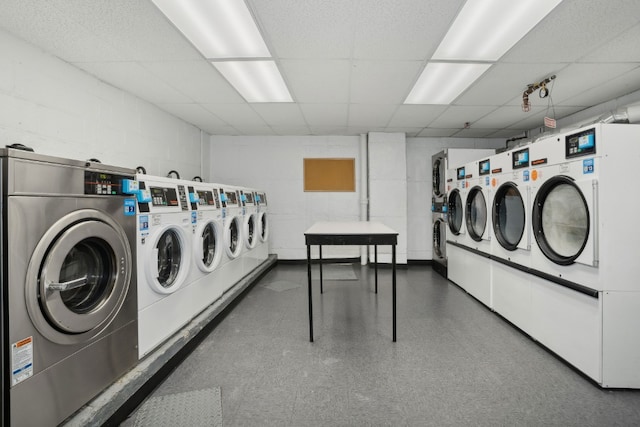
(208, 248)
(232, 234)
(165, 242)
(70, 296)
(250, 230)
(511, 242)
(262, 209)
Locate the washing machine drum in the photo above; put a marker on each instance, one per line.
(476, 214)
(78, 277)
(561, 220)
(508, 216)
(455, 212)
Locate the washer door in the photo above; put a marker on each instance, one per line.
(438, 177)
(207, 247)
(167, 260)
(264, 227)
(509, 216)
(233, 244)
(250, 231)
(455, 211)
(439, 238)
(476, 213)
(78, 277)
(562, 221)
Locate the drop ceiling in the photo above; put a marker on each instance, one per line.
(349, 65)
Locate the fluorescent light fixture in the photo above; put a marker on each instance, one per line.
(219, 29)
(485, 29)
(442, 82)
(257, 81)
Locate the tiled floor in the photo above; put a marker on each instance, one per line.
(455, 362)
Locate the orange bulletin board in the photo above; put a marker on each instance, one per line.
(322, 174)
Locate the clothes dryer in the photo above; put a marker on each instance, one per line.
(262, 209)
(70, 296)
(439, 223)
(511, 242)
(439, 183)
(165, 242)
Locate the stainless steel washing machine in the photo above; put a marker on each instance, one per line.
(69, 298)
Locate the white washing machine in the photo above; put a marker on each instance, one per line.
(584, 269)
(250, 230)
(232, 220)
(69, 300)
(165, 244)
(208, 248)
(511, 242)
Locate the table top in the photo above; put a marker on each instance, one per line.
(349, 228)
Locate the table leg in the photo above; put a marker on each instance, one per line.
(393, 263)
(320, 263)
(309, 290)
(375, 263)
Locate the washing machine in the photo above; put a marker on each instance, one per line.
(69, 297)
(584, 268)
(262, 209)
(439, 233)
(456, 196)
(232, 228)
(250, 230)
(164, 239)
(208, 248)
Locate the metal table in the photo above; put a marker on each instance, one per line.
(351, 233)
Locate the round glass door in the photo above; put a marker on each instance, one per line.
(249, 231)
(476, 213)
(232, 238)
(561, 220)
(438, 239)
(508, 216)
(438, 177)
(209, 242)
(454, 207)
(78, 276)
(264, 227)
(169, 259)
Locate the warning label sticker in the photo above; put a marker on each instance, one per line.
(21, 360)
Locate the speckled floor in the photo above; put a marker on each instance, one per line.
(455, 362)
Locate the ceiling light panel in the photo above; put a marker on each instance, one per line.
(257, 81)
(219, 29)
(485, 29)
(442, 82)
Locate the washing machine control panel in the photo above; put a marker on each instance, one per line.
(104, 184)
(163, 196)
(580, 144)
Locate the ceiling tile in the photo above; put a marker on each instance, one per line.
(610, 89)
(194, 114)
(374, 115)
(134, 78)
(318, 81)
(623, 48)
(329, 130)
(474, 133)
(359, 130)
(383, 82)
(302, 29)
(457, 116)
(408, 130)
(412, 28)
(280, 114)
(433, 132)
(198, 80)
(329, 115)
(502, 117)
(257, 130)
(293, 130)
(416, 115)
(239, 116)
(573, 29)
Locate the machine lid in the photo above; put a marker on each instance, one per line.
(455, 211)
(508, 216)
(476, 213)
(561, 220)
(78, 277)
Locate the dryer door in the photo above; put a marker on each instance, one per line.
(439, 238)
(509, 217)
(476, 213)
(455, 212)
(78, 276)
(564, 221)
(438, 177)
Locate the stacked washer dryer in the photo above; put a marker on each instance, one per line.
(585, 295)
(165, 241)
(69, 296)
(441, 184)
(511, 247)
